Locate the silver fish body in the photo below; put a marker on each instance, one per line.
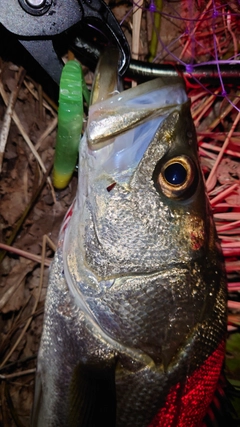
(137, 287)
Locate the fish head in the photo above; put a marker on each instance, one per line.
(152, 214)
(141, 256)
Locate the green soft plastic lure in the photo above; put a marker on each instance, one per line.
(70, 120)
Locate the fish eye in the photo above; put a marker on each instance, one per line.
(176, 177)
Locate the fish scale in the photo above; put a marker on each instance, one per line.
(135, 316)
(130, 310)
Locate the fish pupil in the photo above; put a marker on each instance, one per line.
(175, 174)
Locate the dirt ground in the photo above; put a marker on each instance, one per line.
(21, 300)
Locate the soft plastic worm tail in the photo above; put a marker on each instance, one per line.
(70, 120)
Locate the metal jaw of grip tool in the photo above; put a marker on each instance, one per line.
(36, 22)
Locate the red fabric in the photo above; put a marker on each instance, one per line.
(187, 404)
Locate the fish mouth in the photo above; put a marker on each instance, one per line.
(122, 124)
(124, 110)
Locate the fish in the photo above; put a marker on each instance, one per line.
(135, 315)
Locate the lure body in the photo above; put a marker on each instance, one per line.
(135, 315)
(70, 121)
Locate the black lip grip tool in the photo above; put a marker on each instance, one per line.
(37, 22)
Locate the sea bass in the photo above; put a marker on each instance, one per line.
(135, 315)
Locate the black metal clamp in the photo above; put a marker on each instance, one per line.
(36, 22)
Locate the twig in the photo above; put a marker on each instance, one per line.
(4, 411)
(40, 101)
(8, 294)
(216, 148)
(47, 132)
(26, 211)
(18, 363)
(234, 305)
(45, 240)
(235, 42)
(18, 374)
(25, 254)
(198, 22)
(26, 137)
(49, 105)
(223, 194)
(137, 16)
(11, 407)
(225, 112)
(17, 325)
(155, 30)
(203, 107)
(8, 115)
(209, 180)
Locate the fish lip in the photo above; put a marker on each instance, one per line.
(136, 105)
